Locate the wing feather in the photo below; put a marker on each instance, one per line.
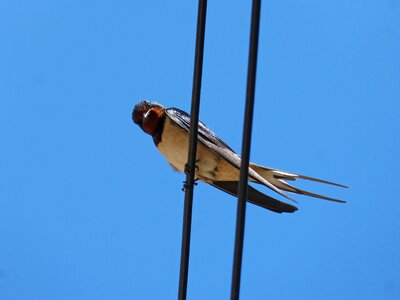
(211, 140)
(255, 197)
(272, 178)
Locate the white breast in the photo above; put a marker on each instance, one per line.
(174, 146)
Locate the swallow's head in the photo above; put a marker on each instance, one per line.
(148, 115)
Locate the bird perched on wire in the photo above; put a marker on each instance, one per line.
(216, 163)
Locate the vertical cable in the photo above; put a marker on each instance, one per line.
(191, 164)
(244, 167)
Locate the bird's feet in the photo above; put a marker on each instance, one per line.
(188, 170)
(187, 186)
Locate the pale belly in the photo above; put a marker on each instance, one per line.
(210, 166)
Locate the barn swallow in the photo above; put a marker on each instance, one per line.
(216, 163)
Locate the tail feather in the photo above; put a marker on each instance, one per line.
(322, 181)
(256, 177)
(289, 188)
(278, 177)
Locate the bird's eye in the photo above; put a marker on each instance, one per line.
(137, 117)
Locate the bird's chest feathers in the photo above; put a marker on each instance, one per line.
(174, 146)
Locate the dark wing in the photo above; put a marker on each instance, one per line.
(255, 197)
(212, 141)
(206, 135)
(258, 174)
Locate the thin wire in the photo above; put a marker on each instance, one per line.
(190, 166)
(246, 141)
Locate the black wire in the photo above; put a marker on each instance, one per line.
(191, 164)
(244, 167)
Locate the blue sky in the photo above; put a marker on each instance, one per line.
(90, 210)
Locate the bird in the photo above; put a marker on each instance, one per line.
(217, 164)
